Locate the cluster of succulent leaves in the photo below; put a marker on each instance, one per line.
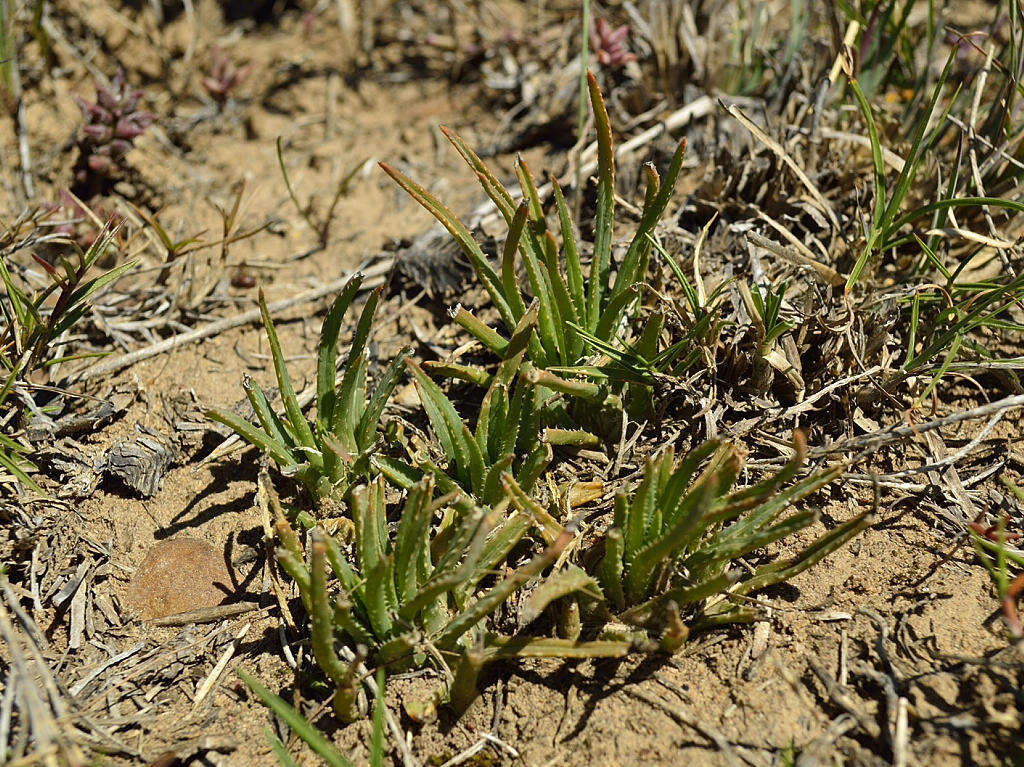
(422, 590)
(224, 76)
(328, 454)
(443, 536)
(113, 122)
(577, 316)
(675, 536)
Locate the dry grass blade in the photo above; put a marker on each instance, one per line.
(783, 155)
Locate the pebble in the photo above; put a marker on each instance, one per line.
(179, 575)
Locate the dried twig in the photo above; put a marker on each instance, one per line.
(374, 277)
(783, 155)
(205, 614)
(211, 680)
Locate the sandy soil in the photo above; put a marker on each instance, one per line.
(899, 628)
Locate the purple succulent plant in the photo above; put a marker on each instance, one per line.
(112, 125)
(224, 76)
(70, 219)
(610, 44)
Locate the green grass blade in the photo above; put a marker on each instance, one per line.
(313, 737)
(601, 263)
(86, 291)
(956, 202)
(610, 571)
(876, 152)
(283, 757)
(635, 260)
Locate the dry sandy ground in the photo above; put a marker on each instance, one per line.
(895, 629)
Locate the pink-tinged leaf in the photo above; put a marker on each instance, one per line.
(98, 163)
(618, 36)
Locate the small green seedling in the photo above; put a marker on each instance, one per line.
(34, 321)
(678, 535)
(329, 453)
(420, 593)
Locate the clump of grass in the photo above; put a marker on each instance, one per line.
(887, 229)
(888, 48)
(81, 223)
(35, 320)
(947, 317)
(328, 454)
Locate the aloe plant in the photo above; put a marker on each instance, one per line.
(422, 592)
(507, 436)
(329, 453)
(677, 536)
(571, 305)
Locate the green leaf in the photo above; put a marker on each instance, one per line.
(281, 455)
(573, 267)
(601, 264)
(413, 537)
(498, 594)
(445, 420)
(484, 271)
(313, 738)
(86, 291)
(375, 407)
(326, 370)
(320, 613)
(499, 648)
(635, 261)
(508, 259)
(377, 738)
(571, 580)
(610, 570)
(300, 426)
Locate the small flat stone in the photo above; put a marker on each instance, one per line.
(179, 575)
